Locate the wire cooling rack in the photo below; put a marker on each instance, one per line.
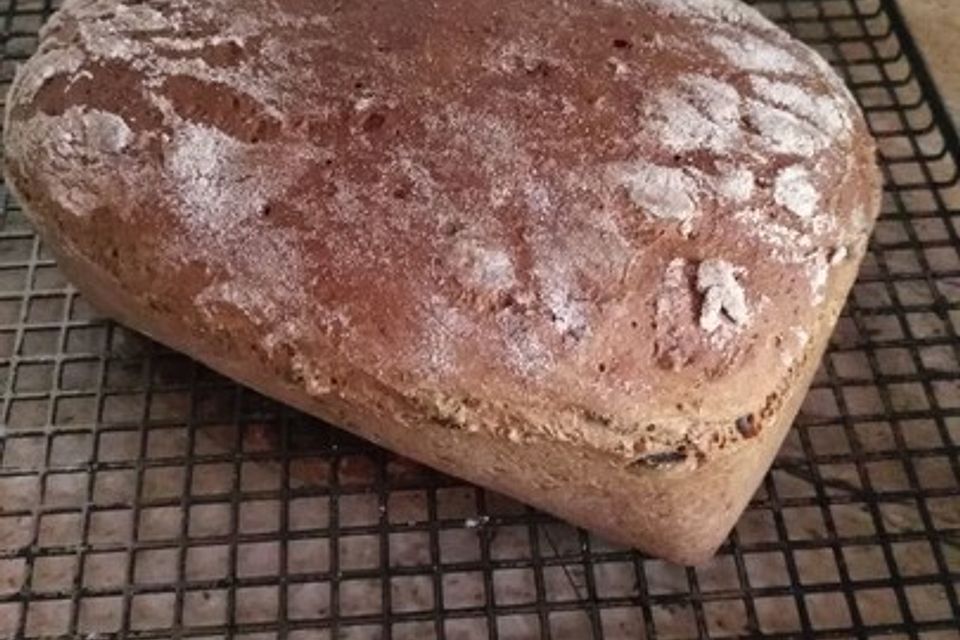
(143, 496)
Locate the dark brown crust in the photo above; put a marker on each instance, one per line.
(441, 228)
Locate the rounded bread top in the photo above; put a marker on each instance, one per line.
(625, 209)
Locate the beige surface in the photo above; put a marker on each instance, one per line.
(935, 24)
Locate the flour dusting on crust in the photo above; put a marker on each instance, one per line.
(220, 182)
(711, 11)
(485, 267)
(818, 110)
(752, 53)
(724, 298)
(794, 191)
(668, 193)
(703, 113)
(782, 131)
(90, 138)
(736, 184)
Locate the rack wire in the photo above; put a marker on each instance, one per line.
(142, 495)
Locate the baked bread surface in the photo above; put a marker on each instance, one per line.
(585, 253)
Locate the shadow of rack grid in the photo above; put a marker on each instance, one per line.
(142, 495)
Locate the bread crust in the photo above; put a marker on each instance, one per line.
(586, 255)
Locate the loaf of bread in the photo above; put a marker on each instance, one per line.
(585, 253)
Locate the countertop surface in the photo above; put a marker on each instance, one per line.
(935, 25)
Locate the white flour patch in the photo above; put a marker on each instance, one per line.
(783, 132)
(703, 114)
(106, 40)
(556, 277)
(820, 111)
(736, 184)
(221, 181)
(104, 132)
(727, 11)
(684, 128)
(667, 193)
(484, 267)
(719, 100)
(538, 199)
(526, 353)
(724, 298)
(143, 18)
(619, 67)
(818, 270)
(363, 104)
(794, 191)
(196, 43)
(213, 177)
(786, 245)
(750, 53)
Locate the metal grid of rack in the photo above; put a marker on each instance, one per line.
(143, 496)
